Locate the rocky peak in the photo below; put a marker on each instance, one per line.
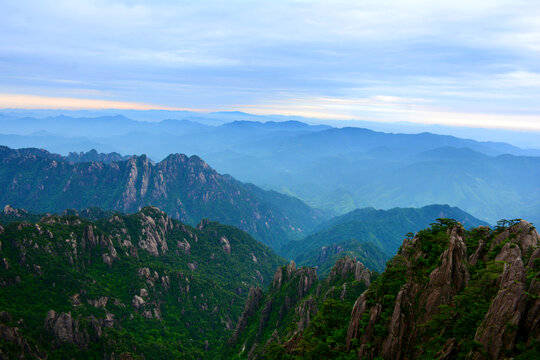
(512, 307)
(176, 158)
(196, 161)
(252, 304)
(172, 163)
(278, 278)
(522, 234)
(448, 278)
(153, 211)
(61, 325)
(419, 299)
(14, 213)
(8, 210)
(291, 268)
(155, 225)
(203, 223)
(67, 329)
(347, 266)
(226, 245)
(305, 277)
(327, 251)
(94, 156)
(27, 153)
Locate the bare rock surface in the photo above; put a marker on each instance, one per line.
(514, 309)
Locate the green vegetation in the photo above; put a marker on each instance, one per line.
(430, 302)
(370, 235)
(324, 259)
(190, 295)
(285, 311)
(146, 286)
(325, 336)
(185, 187)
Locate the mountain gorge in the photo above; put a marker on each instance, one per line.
(185, 187)
(126, 286)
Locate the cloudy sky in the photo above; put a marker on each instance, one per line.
(461, 62)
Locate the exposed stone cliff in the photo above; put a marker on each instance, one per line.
(420, 308)
(187, 188)
(292, 302)
(74, 288)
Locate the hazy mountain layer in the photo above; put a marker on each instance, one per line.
(324, 257)
(239, 125)
(373, 236)
(333, 169)
(134, 286)
(187, 188)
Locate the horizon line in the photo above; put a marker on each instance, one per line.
(21, 102)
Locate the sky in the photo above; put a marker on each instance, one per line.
(465, 63)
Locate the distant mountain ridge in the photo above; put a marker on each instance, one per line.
(93, 155)
(334, 169)
(373, 236)
(340, 140)
(186, 187)
(89, 156)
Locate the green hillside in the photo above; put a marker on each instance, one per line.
(385, 229)
(140, 285)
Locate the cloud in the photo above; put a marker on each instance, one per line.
(22, 101)
(393, 109)
(460, 57)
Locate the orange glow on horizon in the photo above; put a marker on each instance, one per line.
(383, 109)
(22, 101)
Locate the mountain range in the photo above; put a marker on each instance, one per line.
(360, 167)
(185, 187)
(189, 190)
(105, 254)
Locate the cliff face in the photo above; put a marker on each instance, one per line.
(185, 187)
(127, 284)
(296, 299)
(453, 294)
(449, 293)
